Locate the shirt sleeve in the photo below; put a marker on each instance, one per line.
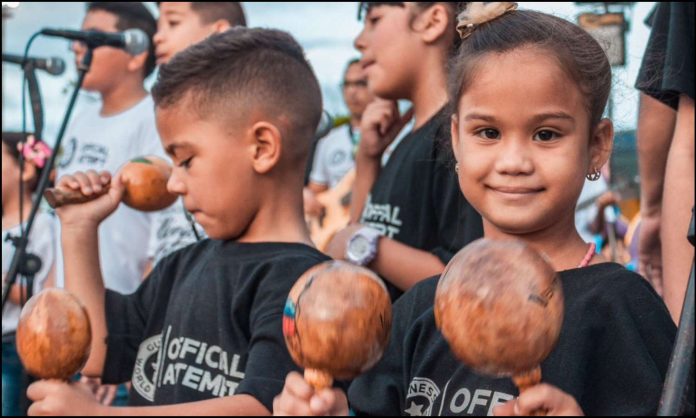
(633, 349)
(269, 361)
(668, 64)
(127, 317)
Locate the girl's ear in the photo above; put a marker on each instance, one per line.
(433, 23)
(29, 173)
(601, 144)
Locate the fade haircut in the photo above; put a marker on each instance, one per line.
(242, 69)
(132, 15)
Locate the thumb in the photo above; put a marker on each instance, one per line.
(506, 409)
(403, 120)
(117, 188)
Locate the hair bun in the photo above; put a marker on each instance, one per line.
(477, 13)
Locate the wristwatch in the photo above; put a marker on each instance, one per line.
(362, 246)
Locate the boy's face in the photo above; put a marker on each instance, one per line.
(108, 64)
(211, 171)
(355, 92)
(521, 138)
(178, 27)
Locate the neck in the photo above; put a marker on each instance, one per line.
(560, 242)
(123, 96)
(280, 218)
(10, 210)
(355, 121)
(429, 95)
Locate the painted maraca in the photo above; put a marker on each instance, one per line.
(499, 305)
(336, 322)
(53, 335)
(145, 180)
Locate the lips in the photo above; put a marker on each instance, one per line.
(366, 63)
(516, 189)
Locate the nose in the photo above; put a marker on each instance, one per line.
(359, 42)
(514, 157)
(158, 38)
(175, 185)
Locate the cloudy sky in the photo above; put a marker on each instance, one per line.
(326, 31)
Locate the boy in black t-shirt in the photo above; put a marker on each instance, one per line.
(236, 113)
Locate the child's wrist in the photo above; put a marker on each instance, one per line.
(78, 226)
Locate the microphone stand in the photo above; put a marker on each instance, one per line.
(21, 242)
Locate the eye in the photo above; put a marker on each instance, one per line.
(545, 135)
(488, 133)
(186, 163)
(173, 23)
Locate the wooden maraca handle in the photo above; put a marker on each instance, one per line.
(318, 379)
(58, 197)
(524, 381)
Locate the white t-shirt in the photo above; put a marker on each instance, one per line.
(171, 231)
(333, 158)
(106, 143)
(41, 243)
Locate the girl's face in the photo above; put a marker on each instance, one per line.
(10, 174)
(522, 138)
(388, 50)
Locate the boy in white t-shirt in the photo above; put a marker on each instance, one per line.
(107, 136)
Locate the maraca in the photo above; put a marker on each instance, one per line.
(499, 305)
(53, 335)
(145, 180)
(336, 322)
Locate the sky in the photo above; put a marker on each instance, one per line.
(325, 30)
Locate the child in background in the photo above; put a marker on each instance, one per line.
(41, 243)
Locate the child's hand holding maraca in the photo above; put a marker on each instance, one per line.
(299, 398)
(101, 195)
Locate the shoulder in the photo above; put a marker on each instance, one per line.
(416, 301)
(610, 288)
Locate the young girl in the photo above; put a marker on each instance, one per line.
(408, 217)
(41, 243)
(529, 91)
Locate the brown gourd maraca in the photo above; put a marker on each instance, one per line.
(145, 180)
(53, 335)
(336, 322)
(499, 305)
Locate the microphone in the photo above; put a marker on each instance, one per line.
(53, 66)
(326, 124)
(134, 41)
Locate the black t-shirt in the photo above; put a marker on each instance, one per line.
(612, 354)
(668, 65)
(416, 199)
(216, 307)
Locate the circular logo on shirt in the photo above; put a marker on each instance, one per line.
(146, 364)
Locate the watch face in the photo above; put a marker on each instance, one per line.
(359, 246)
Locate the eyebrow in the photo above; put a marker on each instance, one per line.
(171, 149)
(536, 118)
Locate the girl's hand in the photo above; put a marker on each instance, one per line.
(299, 399)
(540, 398)
(379, 126)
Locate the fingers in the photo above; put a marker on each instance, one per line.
(294, 399)
(329, 402)
(505, 410)
(109, 394)
(548, 399)
(87, 182)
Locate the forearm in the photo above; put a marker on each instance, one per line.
(404, 266)
(239, 405)
(366, 172)
(654, 137)
(83, 278)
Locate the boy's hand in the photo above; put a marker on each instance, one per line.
(380, 124)
(540, 398)
(298, 398)
(90, 183)
(55, 397)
